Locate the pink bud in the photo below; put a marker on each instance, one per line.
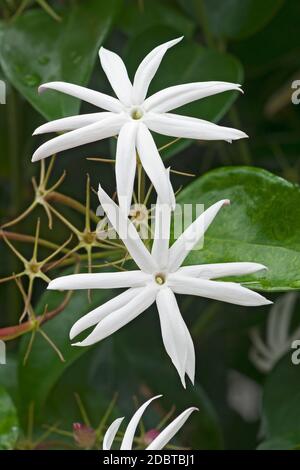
(85, 436)
(150, 436)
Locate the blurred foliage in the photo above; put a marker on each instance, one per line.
(46, 384)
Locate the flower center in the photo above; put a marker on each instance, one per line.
(136, 113)
(160, 279)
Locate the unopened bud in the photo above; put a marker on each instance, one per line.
(85, 436)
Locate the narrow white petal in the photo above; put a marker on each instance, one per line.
(230, 292)
(153, 165)
(111, 433)
(127, 232)
(179, 95)
(85, 94)
(85, 135)
(173, 330)
(71, 123)
(147, 69)
(192, 235)
(121, 317)
(96, 315)
(118, 279)
(175, 125)
(214, 271)
(190, 362)
(160, 247)
(133, 424)
(117, 75)
(126, 165)
(169, 432)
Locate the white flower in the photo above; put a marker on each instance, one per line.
(264, 355)
(159, 277)
(158, 443)
(131, 115)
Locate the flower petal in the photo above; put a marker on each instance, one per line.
(71, 123)
(191, 236)
(214, 271)
(173, 330)
(117, 75)
(85, 94)
(118, 279)
(85, 135)
(121, 317)
(230, 292)
(126, 165)
(133, 423)
(169, 432)
(179, 95)
(175, 125)
(96, 315)
(153, 165)
(160, 247)
(147, 69)
(111, 433)
(127, 232)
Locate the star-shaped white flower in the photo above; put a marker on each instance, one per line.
(132, 116)
(158, 443)
(159, 277)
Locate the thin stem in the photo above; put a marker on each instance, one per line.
(169, 144)
(20, 237)
(68, 201)
(21, 216)
(36, 241)
(88, 204)
(49, 10)
(82, 410)
(52, 344)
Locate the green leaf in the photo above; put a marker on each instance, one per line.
(269, 50)
(281, 403)
(34, 383)
(186, 62)
(232, 18)
(262, 224)
(8, 421)
(35, 49)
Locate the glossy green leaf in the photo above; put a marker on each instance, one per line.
(8, 421)
(44, 368)
(35, 49)
(281, 403)
(186, 62)
(232, 18)
(262, 224)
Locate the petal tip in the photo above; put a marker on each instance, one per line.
(41, 89)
